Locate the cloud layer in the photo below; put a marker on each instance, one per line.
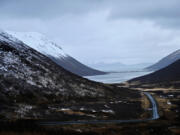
(127, 31)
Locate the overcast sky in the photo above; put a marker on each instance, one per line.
(127, 31)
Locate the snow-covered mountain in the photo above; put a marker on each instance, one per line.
(47, 47)
(166, 61)
(29, 79)
(40, 43)
(32, 86)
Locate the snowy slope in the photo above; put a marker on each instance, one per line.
(42, 44)
(30, 79)
(4, 36)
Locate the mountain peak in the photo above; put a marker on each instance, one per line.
(40, 42)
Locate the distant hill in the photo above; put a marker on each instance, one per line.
(165, 61)
(168, 76)
(117, 66)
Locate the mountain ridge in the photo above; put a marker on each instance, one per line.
(32, 85)
(165, 61)
(165, 77)
(47, 47)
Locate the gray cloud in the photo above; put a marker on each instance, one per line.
(146, 9)
(46, 8)
(129, 31)
(163, 12)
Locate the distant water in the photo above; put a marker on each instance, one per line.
(117, 77)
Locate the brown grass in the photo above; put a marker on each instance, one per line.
(71, 112)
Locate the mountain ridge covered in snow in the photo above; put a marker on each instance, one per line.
(39, 42)
(42, 44)
(33, 86)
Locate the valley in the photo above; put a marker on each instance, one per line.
(36, 92)
(89, 67)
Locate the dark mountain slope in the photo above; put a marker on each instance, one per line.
(168, 76)
(30, 84)
(74, 66)
(165, 61)
(30, 68)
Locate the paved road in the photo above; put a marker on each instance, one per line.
(155, 116)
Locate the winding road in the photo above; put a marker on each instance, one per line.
(155, 116)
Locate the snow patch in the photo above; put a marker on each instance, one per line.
(23, 110)
(108, 111)
(106, 106)
(65, 109)
(93, 111)
(170, 95)
(82, 109)
(168, 102)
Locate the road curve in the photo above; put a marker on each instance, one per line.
(155, 116)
